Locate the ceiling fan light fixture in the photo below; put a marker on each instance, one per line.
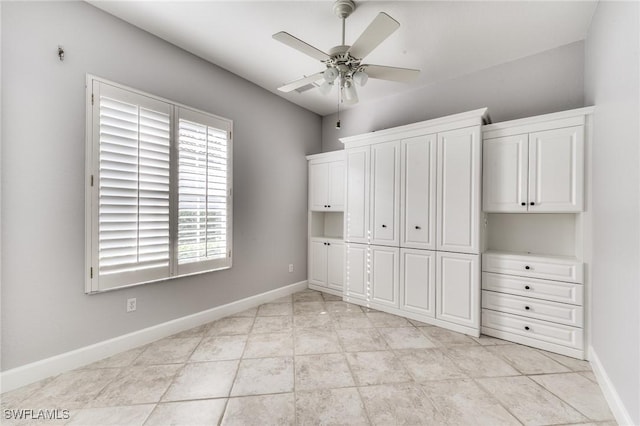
(325, 87)
(361, 78)
(350, 94)
(330, 74)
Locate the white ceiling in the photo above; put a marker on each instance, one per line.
(444, 39)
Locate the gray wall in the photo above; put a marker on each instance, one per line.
(612, 83)
(547, 82)
(44, 309)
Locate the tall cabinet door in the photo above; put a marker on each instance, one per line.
(458, 288)
(556, 170)
(385, 193)
(357, 214)
(335, 197)
(318, 262)
(356, 271)
(418, 192)
(505, 174)
(318, 186)
(335, 265)
(417, 281)
(458, 193)
(385, 275)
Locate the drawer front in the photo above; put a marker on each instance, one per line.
(530, 287)
(533, 267)
(558, 334)
(533, 308)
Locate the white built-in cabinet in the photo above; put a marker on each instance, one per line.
(326, 185)
(534, 267)
(326, 263)
(537, 172)
(326, 256)
(412, 220)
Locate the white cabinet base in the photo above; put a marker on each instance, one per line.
(325, 289)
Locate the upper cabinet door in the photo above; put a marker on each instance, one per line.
(418, 192)
(556, 162)
(385, 193)
(458, 190)
(357, 214)
(505, 168)
(335, 199)
(318, 186)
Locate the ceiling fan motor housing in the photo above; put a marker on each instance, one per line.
(343, 8)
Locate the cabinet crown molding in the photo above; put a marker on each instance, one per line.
(573, 117)
(327, 156)
(449, 122)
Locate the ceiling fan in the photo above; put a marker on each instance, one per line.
(343, 63)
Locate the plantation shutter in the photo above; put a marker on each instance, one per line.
(204, 175)
(133, 186)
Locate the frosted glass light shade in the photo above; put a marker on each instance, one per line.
(325, 87)
(361, 78)
(330, 74)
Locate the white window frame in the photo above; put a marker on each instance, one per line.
(94, 283)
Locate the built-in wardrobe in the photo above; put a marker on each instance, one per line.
(459, 223)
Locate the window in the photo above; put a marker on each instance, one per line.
(158, 190)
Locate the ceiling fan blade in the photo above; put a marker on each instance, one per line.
(289, 87)
(300, 46)
(403, 75)
(378, 30)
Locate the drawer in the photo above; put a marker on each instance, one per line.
(549, 268)
(533, 308)
(558, 334)
(555, 291)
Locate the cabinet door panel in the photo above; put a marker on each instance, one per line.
(458, 191)
(335, 198)
(318, 262)
(556, 170)
(318, 186)
(384, 275)
(417, 281)
(385, 193)
(505, 174)
(356, 271)
(335, 265)
(357, 214)
(458, 289)
(418, 192)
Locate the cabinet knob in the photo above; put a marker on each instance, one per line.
(532, 203)
(526, 287)
(523, 204)
(329, 205)
(527, 267)
(526, 327)
(328, 244)
(417, 227)
(527, 308)
(384, 226)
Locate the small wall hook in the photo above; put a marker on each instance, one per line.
(61, 53)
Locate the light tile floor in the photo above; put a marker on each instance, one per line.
(311, 358)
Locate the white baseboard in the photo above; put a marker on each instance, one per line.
(618, 409)
(29, 373)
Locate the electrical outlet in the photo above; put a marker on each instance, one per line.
(131, 304)
(291, 267)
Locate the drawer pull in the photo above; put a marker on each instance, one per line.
(523, 204)
(527, 308)
(526, 287)
(526, 327)
(384, 226)
(417, 227)
(527, 267)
